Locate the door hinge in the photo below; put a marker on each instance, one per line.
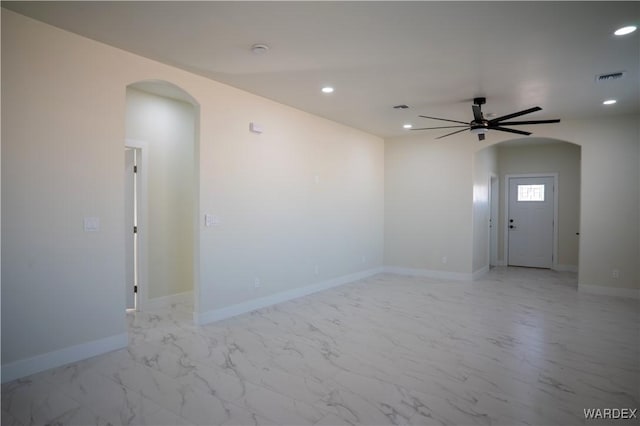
(135, 288)
(135, 169)
(135, 229)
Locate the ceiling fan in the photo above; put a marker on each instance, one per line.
(480, 125)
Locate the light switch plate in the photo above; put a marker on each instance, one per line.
(256, 128)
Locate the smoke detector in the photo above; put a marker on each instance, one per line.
(259, 48)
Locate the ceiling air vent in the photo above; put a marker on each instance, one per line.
(610, 77)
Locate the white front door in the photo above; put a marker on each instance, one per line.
(530, 221)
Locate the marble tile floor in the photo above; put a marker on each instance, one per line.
(519, 347)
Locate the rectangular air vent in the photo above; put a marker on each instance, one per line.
(610, 76)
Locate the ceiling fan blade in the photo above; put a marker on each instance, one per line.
(452, 133)
(442, 127)
(443, 119)
(515, 114)
(504, 129)
(480, 136)
(517, 123)
(477, 113)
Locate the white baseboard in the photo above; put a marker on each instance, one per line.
(263, 302)
(26, 367)
(480, 273)
(166, 301)
(444, 275)
(565, 268)
(631, 293)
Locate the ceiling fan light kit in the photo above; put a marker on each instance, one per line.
(480, 125)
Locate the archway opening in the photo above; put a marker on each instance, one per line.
(161, 196)
(498, 165)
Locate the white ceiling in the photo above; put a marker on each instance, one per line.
(433, 56)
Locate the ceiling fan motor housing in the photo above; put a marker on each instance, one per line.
(474, 125)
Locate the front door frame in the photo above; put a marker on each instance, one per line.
(554, 248)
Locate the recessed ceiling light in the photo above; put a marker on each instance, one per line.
(407, 126)
(327, 89)
(625, 30)
(609, 102)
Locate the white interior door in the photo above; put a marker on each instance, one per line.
(129, 222)
(493, 222)
(530, 221)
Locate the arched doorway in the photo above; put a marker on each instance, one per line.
(161, 198)
(495, 166)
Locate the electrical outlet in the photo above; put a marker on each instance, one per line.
(91, 224)
(211, 220)
(444, 259)
(615, 274)
(317, 269)
(364, 258)
(257, 283)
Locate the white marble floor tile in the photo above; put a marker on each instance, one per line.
(9, 420)
(333, 420)
(519, 346)
(280, 408)
(35, 402)
(240, 416)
